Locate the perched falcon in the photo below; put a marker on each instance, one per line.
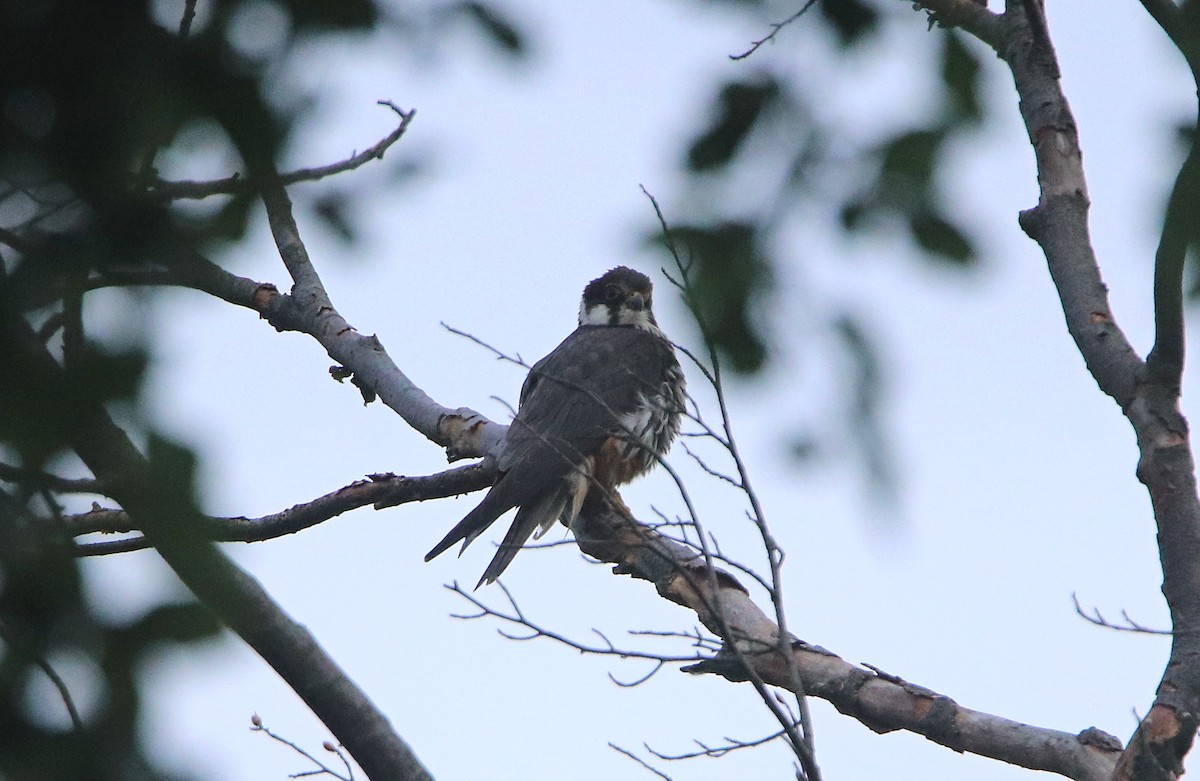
(595, 413)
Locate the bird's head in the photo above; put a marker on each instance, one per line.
(621, 297)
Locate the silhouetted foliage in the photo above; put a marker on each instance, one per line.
(89, 94)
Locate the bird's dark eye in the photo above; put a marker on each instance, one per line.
(612, 293)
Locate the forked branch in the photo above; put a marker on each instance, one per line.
(379, 491)
(1147, 392)
(882, 702)
(164, 190)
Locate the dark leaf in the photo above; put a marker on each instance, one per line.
(334, 212)
(497, 26)
(911, 155)
(739, 108)
(226, 223)
(182, 622)
(866, 373)
(322, 15)
(170, 492)
(960, 75)
(865, 416)
(1184, 133)
(852, 214)
(939, 237)
(730, 276)
(107, 375)
(1192, 270)
(1191, 12)
(805, 447)
(41, 579)
(850, 19)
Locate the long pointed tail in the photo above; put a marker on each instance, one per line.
(469, 527)
(529, 518)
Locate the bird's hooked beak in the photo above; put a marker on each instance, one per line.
(637, 302)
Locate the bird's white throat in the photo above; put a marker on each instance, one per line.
(601, 314)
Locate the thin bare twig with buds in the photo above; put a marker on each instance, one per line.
(775, 28)
(256, 725)
(801, 739)
(1095, 617)
(608, 648)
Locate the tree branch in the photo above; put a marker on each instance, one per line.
(1059, 222)
(803, 739)
(967, 15)
(463, 432)
(882, 702)
(1095, 617)
(14, 644)
(307, 309)
(158, 506)
(379, 490)
(1148, 395)
(238, 184)
(775, 28)
(56, 483)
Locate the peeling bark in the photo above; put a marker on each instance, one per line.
(880, 701)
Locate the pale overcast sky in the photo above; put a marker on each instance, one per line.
(1016, 474)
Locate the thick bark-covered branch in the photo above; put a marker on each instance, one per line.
(154, 501)
(968, 15)
(379, 491)
(1147, 394)
(307, 309)
(882, 702)
(463, 432)
(1059, 221)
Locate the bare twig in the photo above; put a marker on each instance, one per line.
(536, 631)
(66, 485)
(239, 184)
(716, 752)
(882, 702)
(775, 28)
(713, 548)
(658, 665)
(710, 471)
(1095, 617)
(256, 725)
(379, 491)
(13, 642)
(500, 354)
(640, 761)
(802, 740)
(158, 136)
(233, 595)
(463, 432)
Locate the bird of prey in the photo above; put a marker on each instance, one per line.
(595, 413)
